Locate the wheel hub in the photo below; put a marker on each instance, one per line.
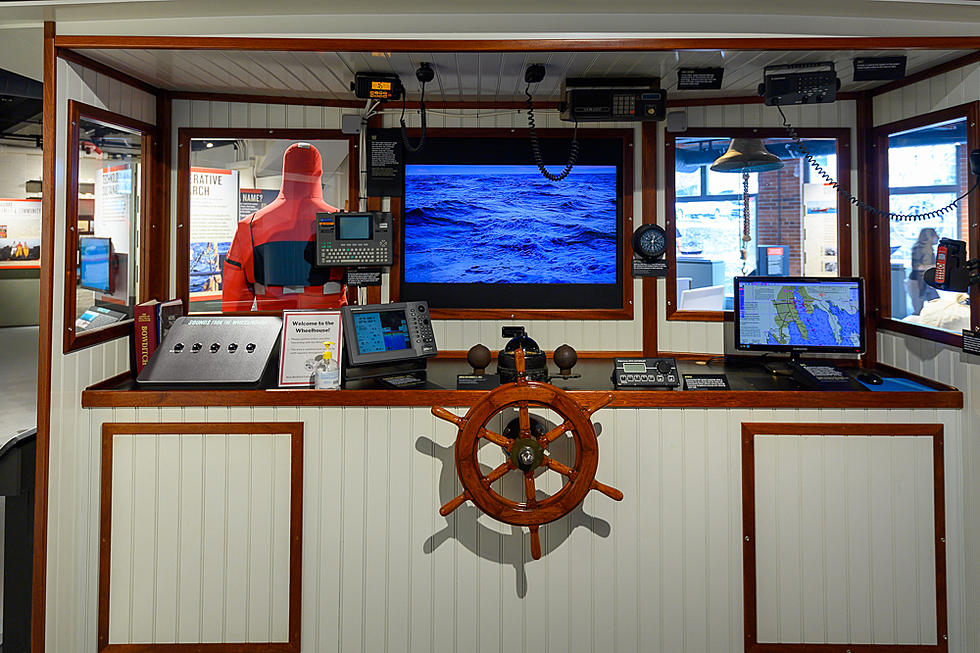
(526, 454)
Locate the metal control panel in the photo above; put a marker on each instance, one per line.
(216, 349)
(344, 238)
(387, 333)
(645, 373)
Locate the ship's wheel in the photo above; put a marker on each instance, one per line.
(526, 453)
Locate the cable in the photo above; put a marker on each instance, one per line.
(536, 146)
(405, 141)
(909, 217)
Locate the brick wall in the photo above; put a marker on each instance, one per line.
(780, 211)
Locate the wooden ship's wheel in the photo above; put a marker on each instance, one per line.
(526, 453)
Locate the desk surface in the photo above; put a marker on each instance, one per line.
(751, 387)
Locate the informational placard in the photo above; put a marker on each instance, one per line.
(114, 202)
(706, 382)
(20, 233)
(301, 355)
(251, 200)
(971, 342)
(871, 69)
(214, 219)
(699, 79)
(384, 162)
(359, 277)
(643, 268)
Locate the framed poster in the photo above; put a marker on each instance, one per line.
(214, 219)
(20, 233)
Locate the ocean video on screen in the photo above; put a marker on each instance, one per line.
(508, 224)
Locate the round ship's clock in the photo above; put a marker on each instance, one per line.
(649, 241)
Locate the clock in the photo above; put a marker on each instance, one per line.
(649, 242)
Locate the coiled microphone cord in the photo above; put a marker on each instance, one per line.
(536, 146)
(406, 143)
(909, 217)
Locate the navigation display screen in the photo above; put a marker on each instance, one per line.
(381, 331)
(797, 313)
(353, 227)
(95, 259)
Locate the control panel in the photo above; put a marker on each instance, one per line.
(799, 84)
(377, 334)
(627, 105)
(645, 373)
(216, 349)
(353, 239)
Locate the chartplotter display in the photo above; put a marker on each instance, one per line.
(799, 314)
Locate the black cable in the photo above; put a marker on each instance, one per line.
(536, 146)
(405, 141)
(854, 200)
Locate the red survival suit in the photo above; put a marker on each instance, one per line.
(271, 257)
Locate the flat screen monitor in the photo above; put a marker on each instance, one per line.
(95, 263)
(799, 314)
(386, 333)
(482, 228)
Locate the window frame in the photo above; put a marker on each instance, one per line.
(842, 136)
(182, 240)
(881, 243)
(150, 137)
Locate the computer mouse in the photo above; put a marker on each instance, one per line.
(869, 377)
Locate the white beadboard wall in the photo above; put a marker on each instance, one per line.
(716, 337)
(845, 548)
(70, 531)
(659, 571)
(200, 538)
(950, 89)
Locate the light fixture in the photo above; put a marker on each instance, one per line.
(209, 145)
(746, 155)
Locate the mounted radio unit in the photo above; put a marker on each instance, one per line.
(377, 86)
(808, 83)
(619, 99)
(344, 238)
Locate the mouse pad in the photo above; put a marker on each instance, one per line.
(897, 385)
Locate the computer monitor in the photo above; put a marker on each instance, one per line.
(799, 314)
(95, 263)
(381, 334)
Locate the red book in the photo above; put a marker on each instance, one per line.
(145, 339)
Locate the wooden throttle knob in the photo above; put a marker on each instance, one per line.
(478, 357)
(565, 358)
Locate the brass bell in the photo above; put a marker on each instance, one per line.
(747, 155)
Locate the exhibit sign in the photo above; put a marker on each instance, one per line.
(214, 218)
(20, 233)
(251, 200)
(307, 336)
(115, 198)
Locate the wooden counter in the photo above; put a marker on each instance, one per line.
(752, 388)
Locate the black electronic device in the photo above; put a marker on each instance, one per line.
(953, 271)
(97, 316)
(377, 86)
(381, 334)
(623, 99)
(820, 376)
(97, 264)
(806, 83)
(869, 377)
(649, 241)
(216, 349)
(535, 360)
(645, 373)
(344, 238)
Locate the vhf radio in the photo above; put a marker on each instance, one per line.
(645, 373)
(353, 239)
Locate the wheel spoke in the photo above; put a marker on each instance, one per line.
(442, 413)
(554, 433)
(498, 472)
(497, 438)
(525, 419)
(559, 467)
(608, 490)
(598, 404)
(454, 503)
(532, 500)
(535, 542)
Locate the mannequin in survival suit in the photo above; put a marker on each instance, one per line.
(271, 257)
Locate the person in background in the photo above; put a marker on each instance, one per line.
(923, 258)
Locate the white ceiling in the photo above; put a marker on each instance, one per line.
(483, 77)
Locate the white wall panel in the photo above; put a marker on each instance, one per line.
(950, 89)
(845, 552)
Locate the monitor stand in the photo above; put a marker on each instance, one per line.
(407, 374)
(817, 374)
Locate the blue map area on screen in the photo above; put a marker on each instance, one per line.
(800, 314)
(508, 224)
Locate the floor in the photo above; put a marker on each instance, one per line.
(18, 371)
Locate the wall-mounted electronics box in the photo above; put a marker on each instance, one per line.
(813, 83)
(620, 99)
(344, 238)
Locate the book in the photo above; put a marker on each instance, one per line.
(145, 337)
(166, 316)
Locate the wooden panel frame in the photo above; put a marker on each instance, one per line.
(625, 312)
(295, 432)
(148, 181)
(879, 242)
(843, 137)
(182, 239)
(749, 587)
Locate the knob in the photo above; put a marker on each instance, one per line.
(663, 366)
(196, 346)
(478, 357)
(250, 347)
(565, 358)
(215, 347)
(233, 347)
(179, 347)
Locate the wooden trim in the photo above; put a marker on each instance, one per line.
(45, 333)
(648, 212)
(749, 579)
(127, 397)
(295, 432)
(960, 62)
(880, 243)
(149, 137)
(624, 313)
(454, 354)
(182, 238)
(86, 42)
(842, 135)
(155, 252)
(866, 188)
(87, 62)
(349, 104)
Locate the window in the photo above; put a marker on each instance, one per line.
(794, 222)
(926, 169)
(106, 212)
(228, 263)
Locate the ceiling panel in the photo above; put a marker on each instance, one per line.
(484, 77)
